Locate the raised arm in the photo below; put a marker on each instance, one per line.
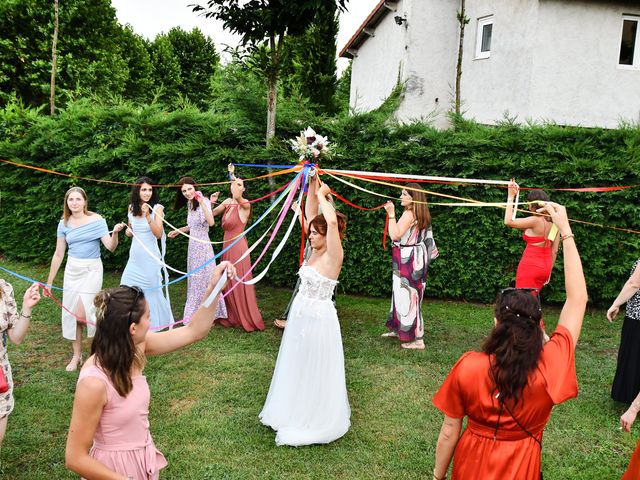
(519, 223)
(206, 209)
(311, 206)
(155, 222)
(111, 241)
(575, 305)
(56, 260)
(23, 319)
(397, 228)
(629, 289)
(335, 254)
(198, 327)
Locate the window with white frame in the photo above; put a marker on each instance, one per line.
(483, 37)
(629, 43)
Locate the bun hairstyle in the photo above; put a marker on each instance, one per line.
(320, 224)
(180, 200)
(515, 342)
(113, 346)
(540, 196)
(136, 203)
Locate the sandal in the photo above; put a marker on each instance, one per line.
(280, 323)
(390, 334)
(73, 365)
(413, 345)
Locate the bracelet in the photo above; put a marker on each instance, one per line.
(392, 217)
(435, 477)
(564, 237)
(24, 316)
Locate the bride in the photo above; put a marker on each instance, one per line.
(307, 401)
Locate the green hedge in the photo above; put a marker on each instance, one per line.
(478, 254)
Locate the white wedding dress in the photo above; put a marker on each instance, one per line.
(307, 401)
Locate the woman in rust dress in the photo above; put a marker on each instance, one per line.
(242, 306)
(508, 390)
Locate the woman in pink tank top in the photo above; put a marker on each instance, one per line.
(109, 434)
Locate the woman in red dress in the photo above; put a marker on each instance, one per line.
(534, 269)
(508, 390)
(242, 306)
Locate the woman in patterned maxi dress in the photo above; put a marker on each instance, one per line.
(413, 250)
(199, 219)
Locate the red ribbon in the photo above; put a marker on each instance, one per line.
(386, 231)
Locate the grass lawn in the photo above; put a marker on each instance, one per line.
(206, 398)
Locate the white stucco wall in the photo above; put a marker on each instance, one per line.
(378, 61)
(430, 69)
(499, 85)
(551, 61)
(576, 79)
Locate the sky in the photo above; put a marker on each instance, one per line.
(151, 17)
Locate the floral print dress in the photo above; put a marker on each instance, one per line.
(8, 319)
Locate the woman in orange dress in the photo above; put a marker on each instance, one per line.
(242, 306)
(508, 390)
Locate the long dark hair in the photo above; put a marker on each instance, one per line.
(180, 200)
(420, 210)
(113, 346)
(136, 204)
(515, 342)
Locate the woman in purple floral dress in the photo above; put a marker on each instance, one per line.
(413, 250)
(199, 219)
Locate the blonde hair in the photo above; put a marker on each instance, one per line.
(66, 211)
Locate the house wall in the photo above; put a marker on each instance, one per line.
(379, 61)
(498, 86)
(551, 61)
(576, 79)
(430, 70)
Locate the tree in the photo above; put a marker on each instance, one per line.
(54, 59)
(266, 23)
(198, 60)
(310, 60)
(135, 49)
(166, 68)
(463, 20)
(88, 54)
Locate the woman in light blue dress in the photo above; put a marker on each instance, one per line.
(144, 268)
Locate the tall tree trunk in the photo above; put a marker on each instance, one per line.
(462, 20)
(272, 97)
(54, 58)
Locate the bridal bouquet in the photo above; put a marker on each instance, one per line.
(311, 146)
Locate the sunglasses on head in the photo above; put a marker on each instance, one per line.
(533, 291)
(138, 293)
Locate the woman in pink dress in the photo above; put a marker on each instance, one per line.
(109, 431)
(199, 219)
(242, 306)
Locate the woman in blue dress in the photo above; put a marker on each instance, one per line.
(82, 231)
(144, 268)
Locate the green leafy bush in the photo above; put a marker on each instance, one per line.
(478, 253)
